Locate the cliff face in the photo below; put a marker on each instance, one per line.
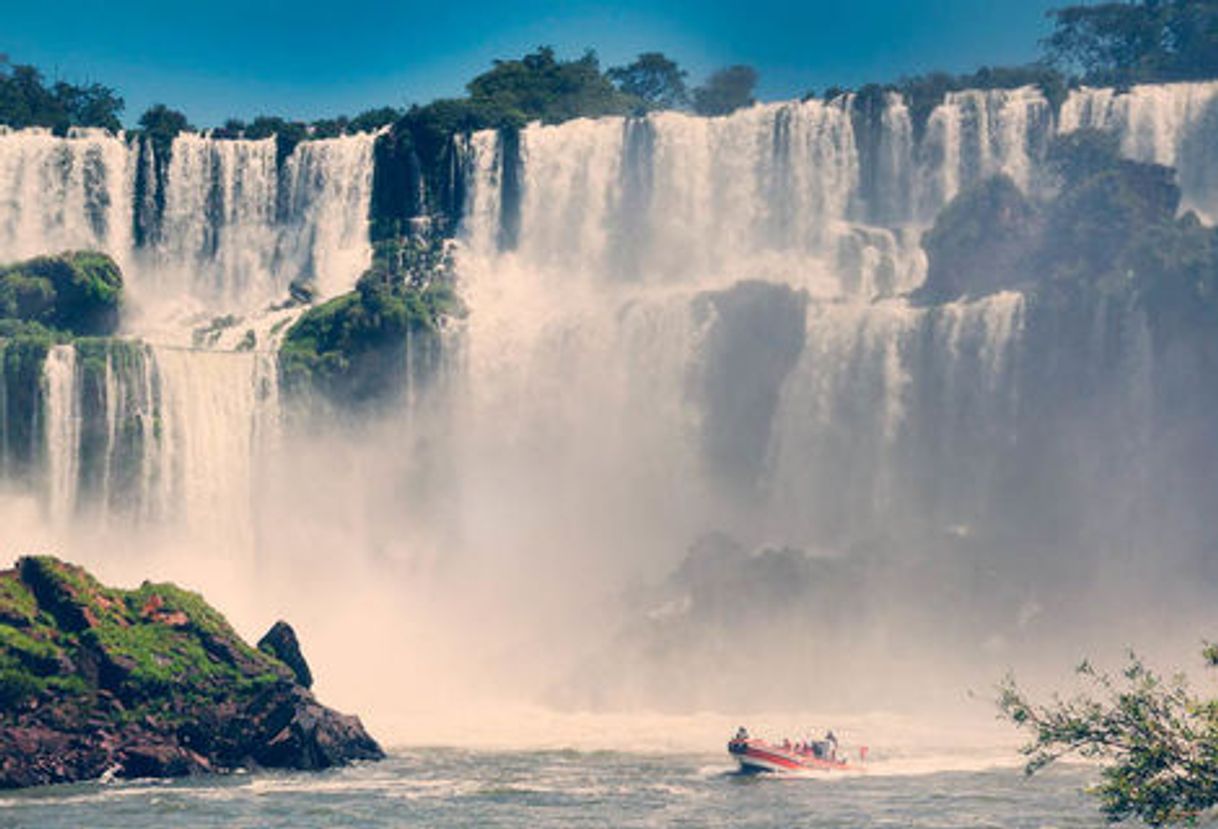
(150, 682)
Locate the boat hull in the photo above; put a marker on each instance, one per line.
(760, 757)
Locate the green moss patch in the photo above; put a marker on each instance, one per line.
(157, 648)
(77, 292)
(352, 349)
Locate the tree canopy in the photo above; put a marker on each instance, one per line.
(1157, 740)
(726, 91)
(1141, 41)
(344, 349)
(540, 87)
(162, 124)
(654, 79)
(27, 101)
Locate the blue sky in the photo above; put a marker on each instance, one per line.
(307, 59)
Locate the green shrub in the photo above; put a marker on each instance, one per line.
(78, 292)
(350, 349)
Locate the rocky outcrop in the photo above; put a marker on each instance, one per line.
(281, 642)
(150, 682)
(754, 338)
(363, 349)
(980, 243)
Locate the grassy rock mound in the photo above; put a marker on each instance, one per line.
(150, 682)
(78, 292)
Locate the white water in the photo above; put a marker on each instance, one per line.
(218, 412)
(63, 429)
(64, 193)
(1171, 124)
(235, 233)
(622, 396)
(590, 408)
(622, 222)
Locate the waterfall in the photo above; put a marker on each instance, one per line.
(63, 431)
(213, 422)
(773, 192)
(156, 434)
(1171, 124)
(706, 314)
(892, 415)
(64, 193)
(328, 186)
(218, 230)
(238, 230)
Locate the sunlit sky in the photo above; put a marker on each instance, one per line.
(219, 58)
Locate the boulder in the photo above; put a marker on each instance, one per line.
(281, 642)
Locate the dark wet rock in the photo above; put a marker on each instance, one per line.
(281, 642)
(753, 341)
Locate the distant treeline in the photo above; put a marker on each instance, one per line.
(1112, 43)
(539, 86)
(27, 101)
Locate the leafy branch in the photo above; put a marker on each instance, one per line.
(1156, 740)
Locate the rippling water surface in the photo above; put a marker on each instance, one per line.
(560, 788)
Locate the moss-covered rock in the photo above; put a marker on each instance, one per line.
(981, 242)
(1111, 227)
(354, 349)
(77, 292)
(145, 682)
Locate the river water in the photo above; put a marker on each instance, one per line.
(450, 787)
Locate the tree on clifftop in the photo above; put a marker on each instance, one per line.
(162, 124)
(539, 86)
(1157, 740)
(654, 79)
(1141, 41)
(726, 91)
(26, 101)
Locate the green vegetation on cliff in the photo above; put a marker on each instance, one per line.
(74, 293)
(1111, 226)
(72, 297)
(980, 241)
(353, 348)
(157, 647)
(21, 357)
